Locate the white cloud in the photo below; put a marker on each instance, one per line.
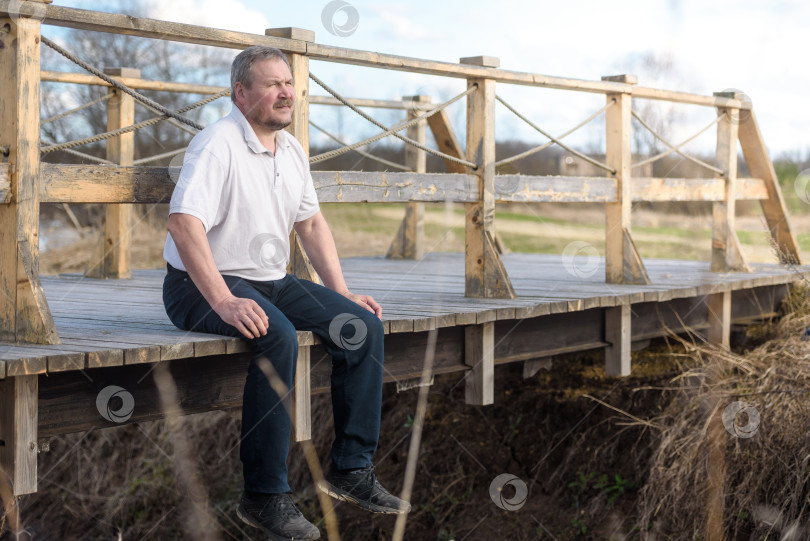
(224, 14)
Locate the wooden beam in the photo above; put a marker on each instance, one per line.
(24, 313)
(18, 432)
(301, 403)
(409, 240)
(618, 333)
(299, 263)
(479, 355)
(623, 264)
(726, 252)
(773, 207)
(118, 23)
(139, 84)
(114, 253)
(148, 184)
(485, 275)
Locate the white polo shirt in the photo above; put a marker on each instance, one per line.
(247, 197)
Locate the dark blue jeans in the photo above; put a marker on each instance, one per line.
(352, 335)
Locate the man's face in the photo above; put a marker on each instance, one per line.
(269, 100)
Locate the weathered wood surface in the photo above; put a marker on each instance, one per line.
(24, 313)
(111, 322)
(148, 184)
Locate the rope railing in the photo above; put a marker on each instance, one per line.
(701, 163)
(157, 157)
(554, 140)
(362, 153)
(117, 84)
(82, 155)
(585, 157)
(172, 121)
(77, 109)
(392, 130)
(133, 127)
(678, 147)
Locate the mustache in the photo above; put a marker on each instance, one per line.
(284, 103)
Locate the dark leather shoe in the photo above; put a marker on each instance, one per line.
(361, 488)
(277, 516)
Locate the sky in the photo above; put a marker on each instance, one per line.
(704, 46)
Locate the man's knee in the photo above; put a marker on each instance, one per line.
(359, 329)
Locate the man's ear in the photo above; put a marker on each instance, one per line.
(238, 92)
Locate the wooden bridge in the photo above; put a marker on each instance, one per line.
(66, 338)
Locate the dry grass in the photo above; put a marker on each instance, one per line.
(767, 476)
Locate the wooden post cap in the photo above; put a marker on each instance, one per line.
(486, 61)
(622, 78)
(123, 72)
(730, 94)
(422, 98)
(290, 32)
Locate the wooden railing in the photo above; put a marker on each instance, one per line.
(25, 182)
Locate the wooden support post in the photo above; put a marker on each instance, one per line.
(773, 208)
(617, 333)
(24, 312)
(18, 432)
(301, 404)
(485, 273)
(719, 318)
(726, 253)
(409, 240)
(114, 256)
(479, 355)
(623, 264)
(299, 264)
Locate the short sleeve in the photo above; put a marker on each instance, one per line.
(199, 187)
(309, 206)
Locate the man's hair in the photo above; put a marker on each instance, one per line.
(241, 69)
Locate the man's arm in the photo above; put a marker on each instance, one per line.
(195, 252)
(320, 247)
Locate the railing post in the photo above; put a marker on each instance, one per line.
(24, 312)
(726, 253)
(485, 274)
(623, 264)
(299, 66)
(409, 240)
(114, 257)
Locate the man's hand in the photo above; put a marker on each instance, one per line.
(366, 301)
(244, 314)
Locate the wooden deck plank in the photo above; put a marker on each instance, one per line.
(110, 322)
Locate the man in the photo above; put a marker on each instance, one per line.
(244, 185)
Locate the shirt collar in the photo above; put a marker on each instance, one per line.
(250, 136)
